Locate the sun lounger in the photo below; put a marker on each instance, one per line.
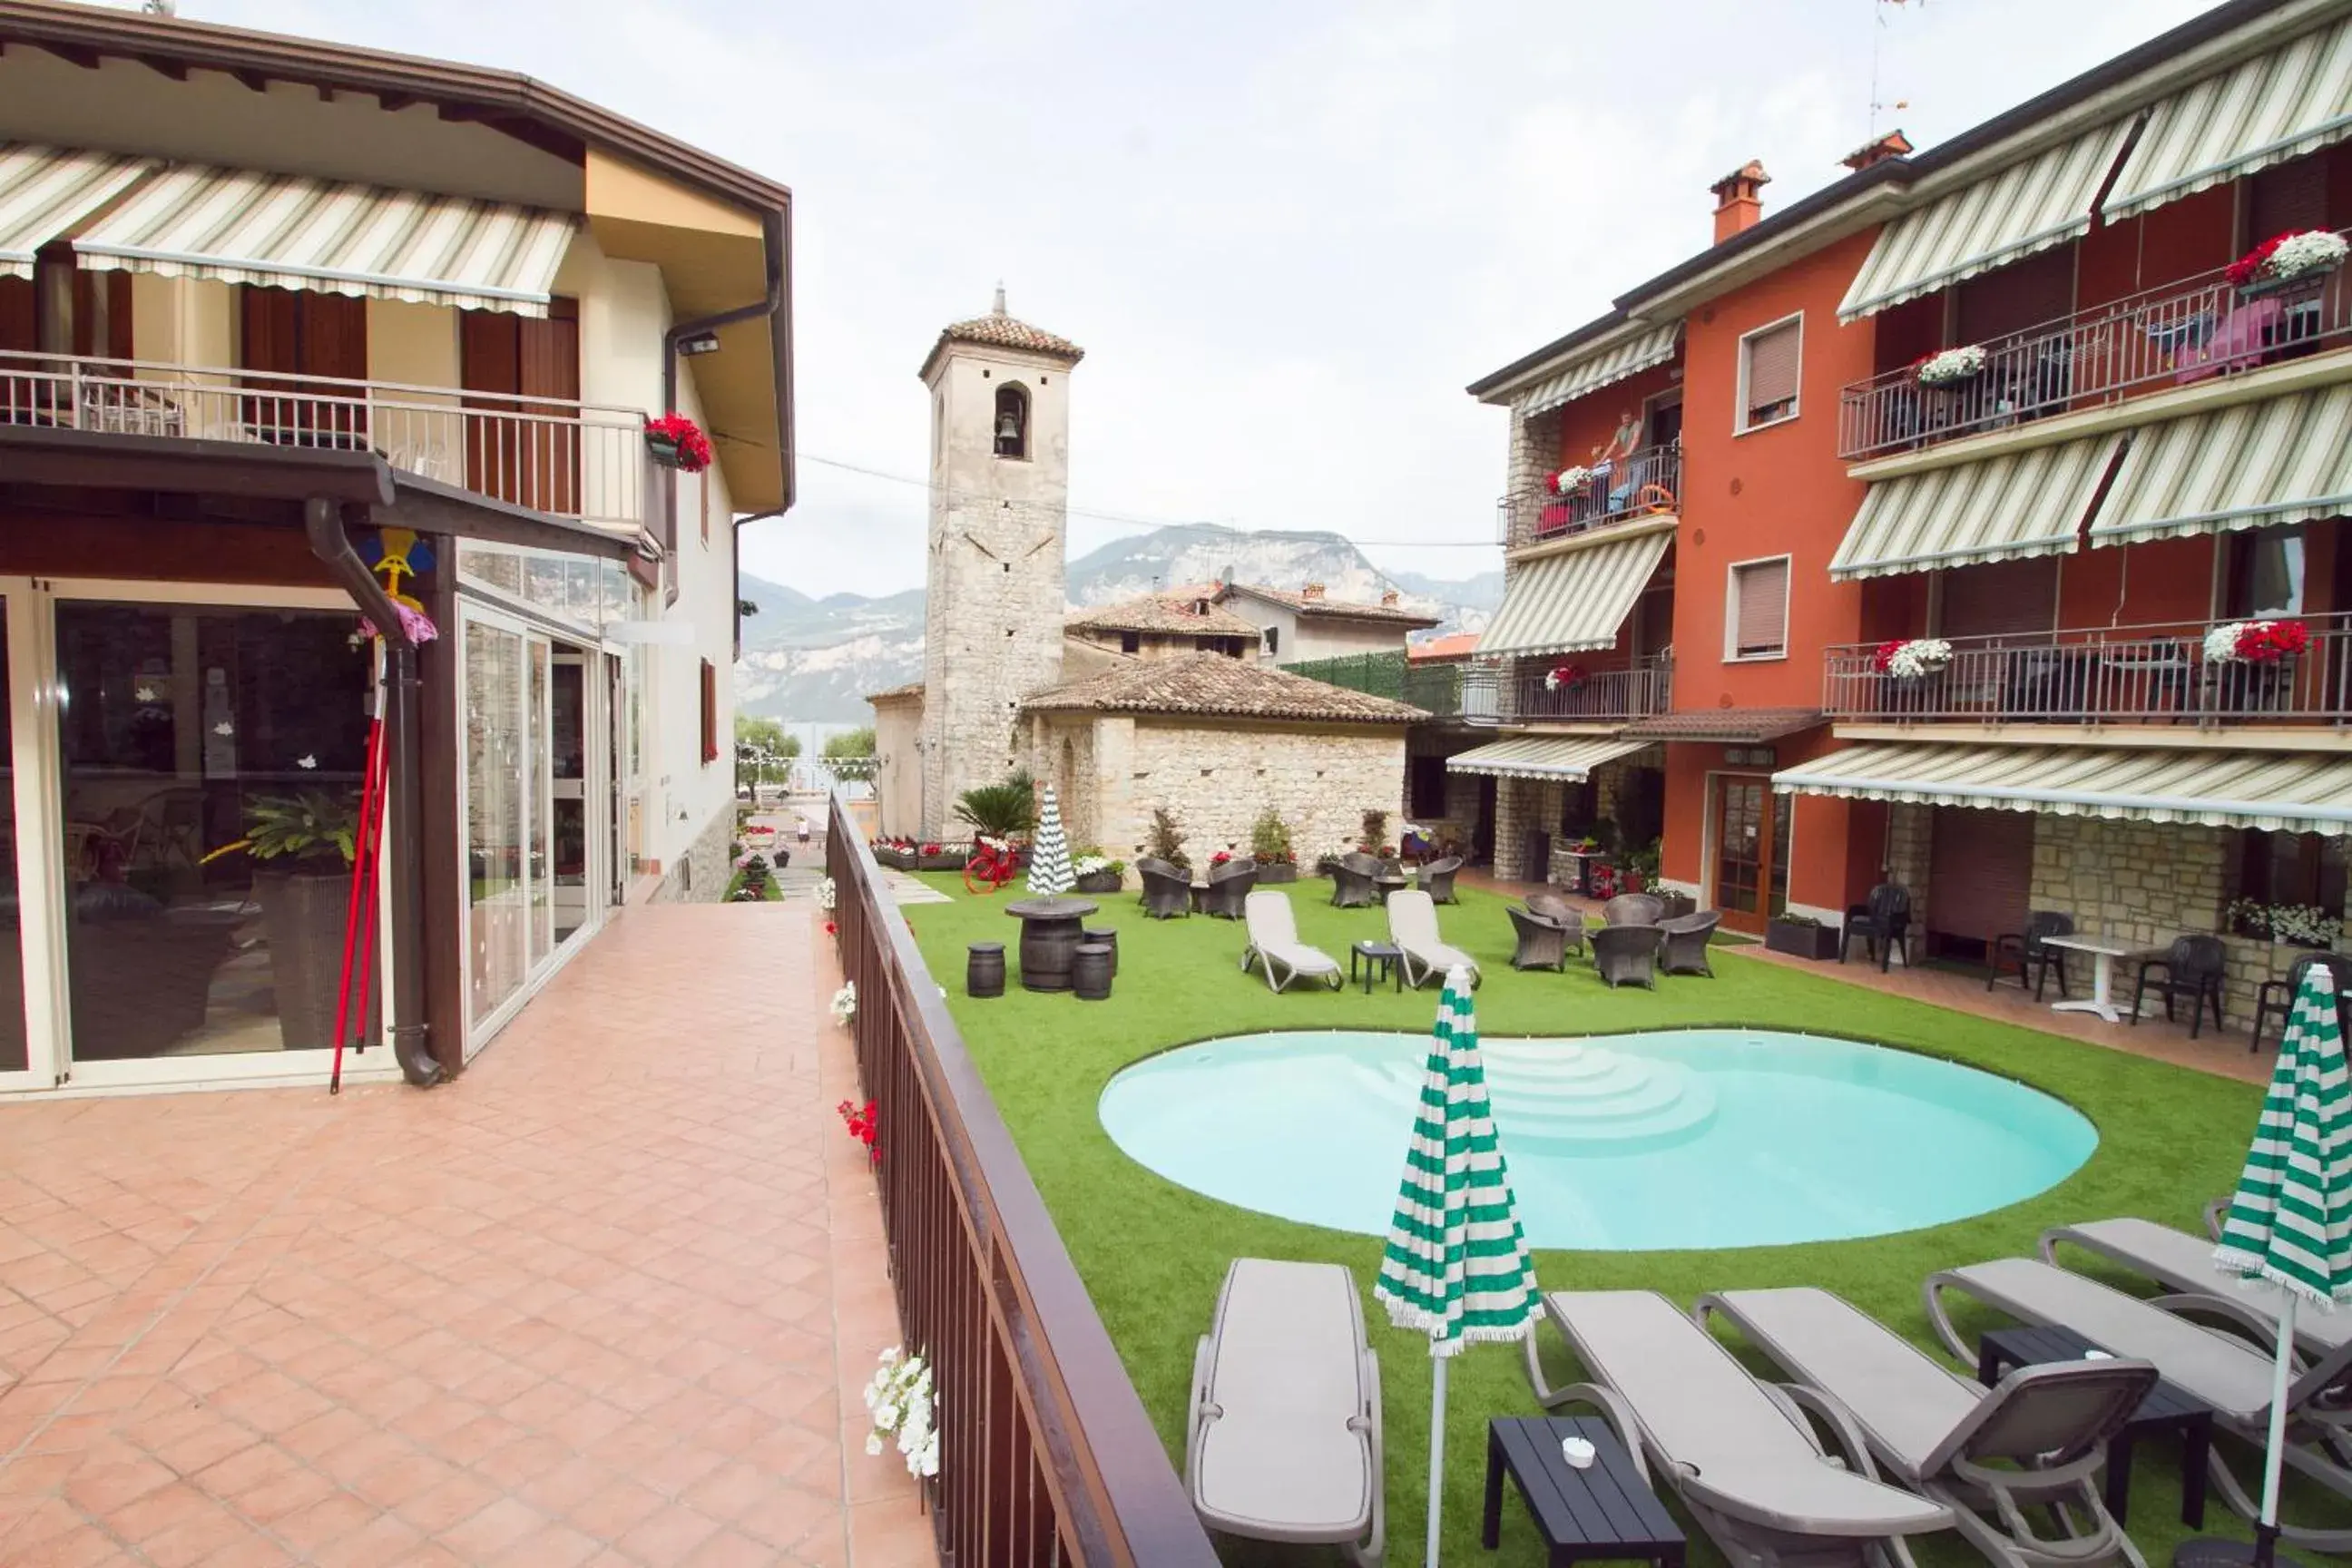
(1423, 954)
(1283, 1437)
(2035, 1440)
(1740, 1453)
(2183, 1264)
(1274, 943)
(2224, 1372)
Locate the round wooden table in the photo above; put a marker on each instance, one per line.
(1051, 930)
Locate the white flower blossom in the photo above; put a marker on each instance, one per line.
(307, 760)
(1918, 656)
(826, 897)
(900, 1401)
(2315, 250)
(224, 727)
(146, 694)
(844, 1002)
(1952, 366)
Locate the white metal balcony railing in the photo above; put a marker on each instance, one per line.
(1647, 484)
(2177, 334)
(1520, 693)
(2142, 674)
(566, 459)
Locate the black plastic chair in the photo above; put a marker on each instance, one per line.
(2275, 999)
(1884, 923)
(2026, 952)
(2193, 967)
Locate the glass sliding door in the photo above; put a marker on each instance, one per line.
(495, 808)
(22, 1066)
(538, 769)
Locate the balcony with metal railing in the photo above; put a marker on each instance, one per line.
(1559, 691)
(566, 459)
(2180, 673)
(1647, 484)
(2175, 335)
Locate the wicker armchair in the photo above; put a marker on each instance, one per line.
(1435, 877)
(1354, 882)
(1634, 910)
(1627, 954)
(1543, 941)
(1229, 885)
(1167, 889)
(1687, 940)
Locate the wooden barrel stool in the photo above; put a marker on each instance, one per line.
(1090, 971)
(1104, 936)
(983, 973)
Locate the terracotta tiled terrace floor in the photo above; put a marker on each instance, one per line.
(609, 1298)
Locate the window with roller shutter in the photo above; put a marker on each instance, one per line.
(1770, 359)
(1757, 625)
(2287, 198)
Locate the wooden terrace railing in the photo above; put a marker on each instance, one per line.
(1046, 1456)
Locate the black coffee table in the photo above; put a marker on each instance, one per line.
(2165, 1409)
(1603, 1511)
(1380, 959)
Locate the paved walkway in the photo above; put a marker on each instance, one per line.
(610, 1297)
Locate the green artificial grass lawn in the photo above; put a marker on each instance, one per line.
(1153, 1254)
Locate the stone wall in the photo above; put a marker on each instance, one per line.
(1217, 778)
(701, 879)
(1910, 835)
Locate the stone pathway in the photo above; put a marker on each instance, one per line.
(609, 1297)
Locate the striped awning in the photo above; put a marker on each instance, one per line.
(46, 191)
(2031, 205)
(2290, 792)
(2002, 509)
(1613, 362)
(2259, 465)
(1565, 604)
(1542, 757)
(294, 232)
(2278, 105)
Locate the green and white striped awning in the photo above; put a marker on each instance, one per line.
(1542, 757)
(2001, 509)
(2290, 792)
(1614, 361)
(2280, 104)
(1575, 601)
(46, 192)
(291, 231)
(2258, 465)
(2031, 205)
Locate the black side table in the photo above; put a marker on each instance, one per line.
(1377, 959)
(2167, 1409)
(1603, 1511)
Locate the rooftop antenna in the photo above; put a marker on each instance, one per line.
(160, 7)
(1877, 45)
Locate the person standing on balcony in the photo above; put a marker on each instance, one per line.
(1609, 455)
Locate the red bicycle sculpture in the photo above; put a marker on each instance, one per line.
(994, 863)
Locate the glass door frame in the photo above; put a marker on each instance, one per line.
(1717, 785)
(37, 698)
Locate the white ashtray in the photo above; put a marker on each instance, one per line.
(1579, 1452)
(2096, 1355)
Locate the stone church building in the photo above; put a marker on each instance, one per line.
(1123, 712)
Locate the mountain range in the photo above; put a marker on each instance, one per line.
(815, 659)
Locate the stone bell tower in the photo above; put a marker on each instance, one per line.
(999, 526)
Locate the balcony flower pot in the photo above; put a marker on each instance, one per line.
(1801, 939)
(661, 449)
(1277, 871)
(1099, 882)
(302, 913)
(2269, 288)
(1678, 905)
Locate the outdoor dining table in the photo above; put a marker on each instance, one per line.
(2104, 952)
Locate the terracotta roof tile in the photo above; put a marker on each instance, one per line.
(1732, 726)
(1166, 613)
(913, 688)
(1454, 645)
(1349, 610)
(997, 330)
(1212, 685)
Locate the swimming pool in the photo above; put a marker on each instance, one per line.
(1689, 1137)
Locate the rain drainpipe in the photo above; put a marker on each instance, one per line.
(771, 231)
(411, 1046)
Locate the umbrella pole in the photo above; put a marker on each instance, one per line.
(1436, 1456)
(2274, 1452)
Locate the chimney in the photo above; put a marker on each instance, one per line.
(1740, 200)
(1312, 591)
(1893, 144)
(1389, 600)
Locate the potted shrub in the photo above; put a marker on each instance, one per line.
(938, 857)
(1165, 839)
(1097, 872)
(1802, 936)
(1006, 810)
(304, 843)
(1270, 848)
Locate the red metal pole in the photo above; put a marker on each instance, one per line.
(352, 905)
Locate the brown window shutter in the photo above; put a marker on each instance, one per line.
(2024, 294)
(20, 321)
(2002, 598)
(334, 336)
(265, 335)
(710, 712)
(1772, 372)
(2287, 198)
(1760, 607)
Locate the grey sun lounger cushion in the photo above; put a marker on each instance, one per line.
(1412, 930)
(1284, 1431)
(1739, 1452)
(2183, 1264)
(2037, 1437)
(1274, 943)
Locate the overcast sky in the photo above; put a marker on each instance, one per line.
(1287, 234)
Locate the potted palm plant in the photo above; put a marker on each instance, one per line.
(1005, 812)
(304, 843)
(1270, 848)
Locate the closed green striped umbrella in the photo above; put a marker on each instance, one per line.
(1049, 853)
(2291, 1219)
(1457, 1266)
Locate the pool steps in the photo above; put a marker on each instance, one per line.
(1551, 1096)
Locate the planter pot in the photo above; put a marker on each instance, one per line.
(1957, 383)
(943, 862)
(1099, 882)
(1816, 943)
(662, 450)
(1276, 872)
(1678, 905)
(2261, 288)
(302, 914)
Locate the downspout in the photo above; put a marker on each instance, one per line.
(773, 238)
(322, 521)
